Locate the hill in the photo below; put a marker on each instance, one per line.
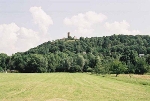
(96, 54)
(104, 45)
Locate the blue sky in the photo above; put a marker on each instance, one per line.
(24, 24)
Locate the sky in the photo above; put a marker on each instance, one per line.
(25, 24)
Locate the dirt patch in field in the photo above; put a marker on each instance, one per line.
(142, 76)
(56, 99)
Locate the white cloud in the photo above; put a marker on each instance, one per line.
(8, 37)
(15, 39)
(41, 18)
(120, 28)
(84, 21)
(27, 38)
(19, 39)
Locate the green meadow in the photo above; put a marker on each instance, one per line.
(73, 87)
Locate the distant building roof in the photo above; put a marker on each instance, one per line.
(140, 55)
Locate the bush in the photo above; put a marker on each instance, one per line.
(89, 69)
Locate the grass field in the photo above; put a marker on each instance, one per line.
(73, 87)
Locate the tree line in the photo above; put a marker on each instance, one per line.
(102, 55)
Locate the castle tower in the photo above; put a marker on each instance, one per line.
(68, 34)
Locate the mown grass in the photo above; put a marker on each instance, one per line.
(134, 79)
(72, 87)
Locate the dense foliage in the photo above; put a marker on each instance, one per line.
(109, 54)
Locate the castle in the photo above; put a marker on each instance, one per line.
(69, 37)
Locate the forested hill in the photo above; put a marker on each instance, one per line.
(110, 54)
(97, 45)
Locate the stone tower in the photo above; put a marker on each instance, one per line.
(68, 34)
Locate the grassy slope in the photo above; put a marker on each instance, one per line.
(71, 87)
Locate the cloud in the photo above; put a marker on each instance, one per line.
(41, 18)
(120, 28)
(27, 38)
(19, 39)
(14, 38)
(8, 37)
(84, 21)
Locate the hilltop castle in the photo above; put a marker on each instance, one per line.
(69, 36)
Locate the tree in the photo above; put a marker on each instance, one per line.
(16, 62)
(117, 67)
(148, 59)
(106, 64)
(80, 62)
(70, 64)
(37, 64)
(91, 59)
(51, 62)
(98, 65)
(3, 62)
(141, 66)
(1, 69)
